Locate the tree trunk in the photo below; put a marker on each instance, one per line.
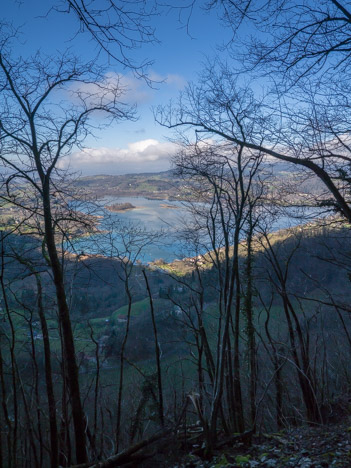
(67, 333)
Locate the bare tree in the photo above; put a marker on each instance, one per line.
(294, 106)
(225, 179)
(292, 39)
(46, 107)
(278, 275)
(116, 26)
(309, 134)
(33, 270)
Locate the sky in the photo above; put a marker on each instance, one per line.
(125, 147)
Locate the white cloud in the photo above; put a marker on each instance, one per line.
(126, 88)
(136, 90)
(172, 79)
(141, 156)
(177, 81)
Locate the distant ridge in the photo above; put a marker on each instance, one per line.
(168, 185)
(165, 185)
(130, 174)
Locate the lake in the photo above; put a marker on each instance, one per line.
(147, 232)
(153, 230)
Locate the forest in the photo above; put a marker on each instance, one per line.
(107, 361)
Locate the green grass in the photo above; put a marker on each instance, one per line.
(81, 331)
(99, 323)
(137, 309)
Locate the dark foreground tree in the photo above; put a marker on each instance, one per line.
(116, 27)
(46, 104)
(308, 131)
(225, 184)
(293, 40)
(283, 91)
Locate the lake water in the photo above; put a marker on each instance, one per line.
(151, 231)
(147, 232)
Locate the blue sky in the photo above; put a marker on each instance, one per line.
(140, 146)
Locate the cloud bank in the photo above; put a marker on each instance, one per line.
(124, 87)
(141, 156)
